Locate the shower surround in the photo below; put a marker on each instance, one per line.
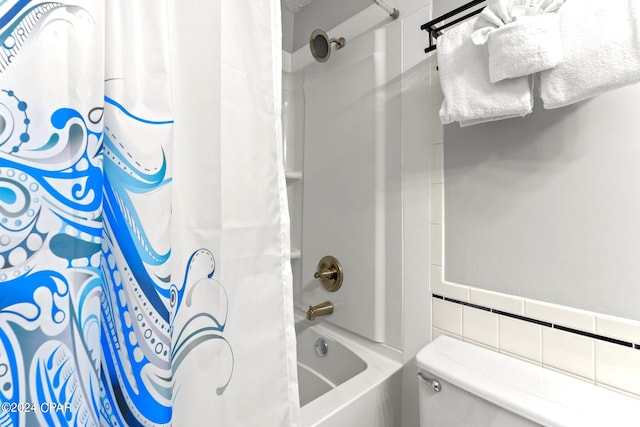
(358, 174)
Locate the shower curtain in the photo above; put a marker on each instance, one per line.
(144, 246)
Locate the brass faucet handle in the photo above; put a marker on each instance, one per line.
(329, 273)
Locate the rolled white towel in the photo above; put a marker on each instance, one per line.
(469, 95)
(523, 37)
(601, 51)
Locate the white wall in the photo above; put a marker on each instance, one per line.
(287, 30)
(417, 135)
(548, 207)
(543, 207)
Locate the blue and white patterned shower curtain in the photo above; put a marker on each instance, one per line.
(144, 275)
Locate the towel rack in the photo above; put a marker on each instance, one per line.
(436, 31)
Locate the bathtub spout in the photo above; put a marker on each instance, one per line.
(322, 309)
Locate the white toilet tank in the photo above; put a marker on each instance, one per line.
(482, 388)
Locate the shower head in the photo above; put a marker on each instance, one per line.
(320, 45)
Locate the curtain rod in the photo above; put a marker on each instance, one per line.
(435, 32)
(392, 11)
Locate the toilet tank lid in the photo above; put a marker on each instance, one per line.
(544, 396)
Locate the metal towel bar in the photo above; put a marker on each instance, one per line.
(436, 31)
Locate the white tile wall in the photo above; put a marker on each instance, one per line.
(612, 362)
(508, 303)
(435, 333)
(447, 316)
(434, 122)
(564, 316)
(435, 235)
(520, 338)
(444, 289)
(616, 327)
(480, 326)
(607, 364)
(436, 93)
(437, 205)
(437, 158)
(568, 352)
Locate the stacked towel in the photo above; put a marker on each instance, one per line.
(601, 51)
(523, 36)
(469, 95)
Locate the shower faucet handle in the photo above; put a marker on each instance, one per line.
(329, 273)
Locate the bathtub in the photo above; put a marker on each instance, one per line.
(346, 380)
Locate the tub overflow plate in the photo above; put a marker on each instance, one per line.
(322, 348)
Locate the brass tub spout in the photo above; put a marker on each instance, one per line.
(322, 309)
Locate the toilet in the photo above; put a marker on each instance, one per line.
(465, 385)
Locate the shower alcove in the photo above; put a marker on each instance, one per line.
(342, 133)
(357, 164)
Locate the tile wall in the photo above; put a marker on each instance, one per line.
(600, 349)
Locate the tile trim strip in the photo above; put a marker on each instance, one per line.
(541, 323)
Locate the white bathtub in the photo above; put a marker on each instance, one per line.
(357, 383)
